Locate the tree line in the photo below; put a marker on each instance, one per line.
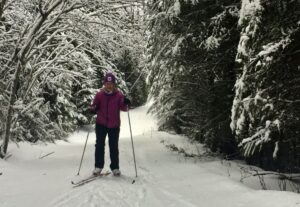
(227, 74)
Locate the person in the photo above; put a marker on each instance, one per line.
(107, 104)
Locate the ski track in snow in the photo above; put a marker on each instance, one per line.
(164, 177)
(103, 193)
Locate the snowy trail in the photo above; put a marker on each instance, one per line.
(164, 178)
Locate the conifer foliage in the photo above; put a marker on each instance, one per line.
(265, 112)
(226, 73)
(191, 53)
(128, 62)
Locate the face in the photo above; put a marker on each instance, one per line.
(109, 86)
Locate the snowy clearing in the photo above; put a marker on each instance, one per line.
(165, 178)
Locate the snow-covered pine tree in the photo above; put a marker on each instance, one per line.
(128, 62)
(266, 110)
(191, 52)
(219, 48)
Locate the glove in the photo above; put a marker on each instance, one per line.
(127, 101)
(93, 109)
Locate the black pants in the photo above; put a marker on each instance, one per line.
(113, 140)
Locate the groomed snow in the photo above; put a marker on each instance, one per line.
(165, 178)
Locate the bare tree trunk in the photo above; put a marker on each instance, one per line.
(10, 111)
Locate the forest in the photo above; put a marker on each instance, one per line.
(223, 73)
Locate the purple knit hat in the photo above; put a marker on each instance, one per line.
(109, 77)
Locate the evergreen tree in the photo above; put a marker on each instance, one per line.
(191, 52)
(265, 112)
(134, 77)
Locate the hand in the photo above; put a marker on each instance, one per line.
(93, 109)
(127, 101)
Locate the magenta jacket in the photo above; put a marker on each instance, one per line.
(108, 107)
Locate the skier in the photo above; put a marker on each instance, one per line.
(107, 104)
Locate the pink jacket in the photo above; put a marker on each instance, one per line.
(108, 107)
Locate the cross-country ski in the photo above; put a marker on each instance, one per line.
(88, 179)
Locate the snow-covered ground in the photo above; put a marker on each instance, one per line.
(165, 178)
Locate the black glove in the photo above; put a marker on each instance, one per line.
(127, 101)
(93, 109)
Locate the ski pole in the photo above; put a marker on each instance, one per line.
(132, 146)
(83, 152)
